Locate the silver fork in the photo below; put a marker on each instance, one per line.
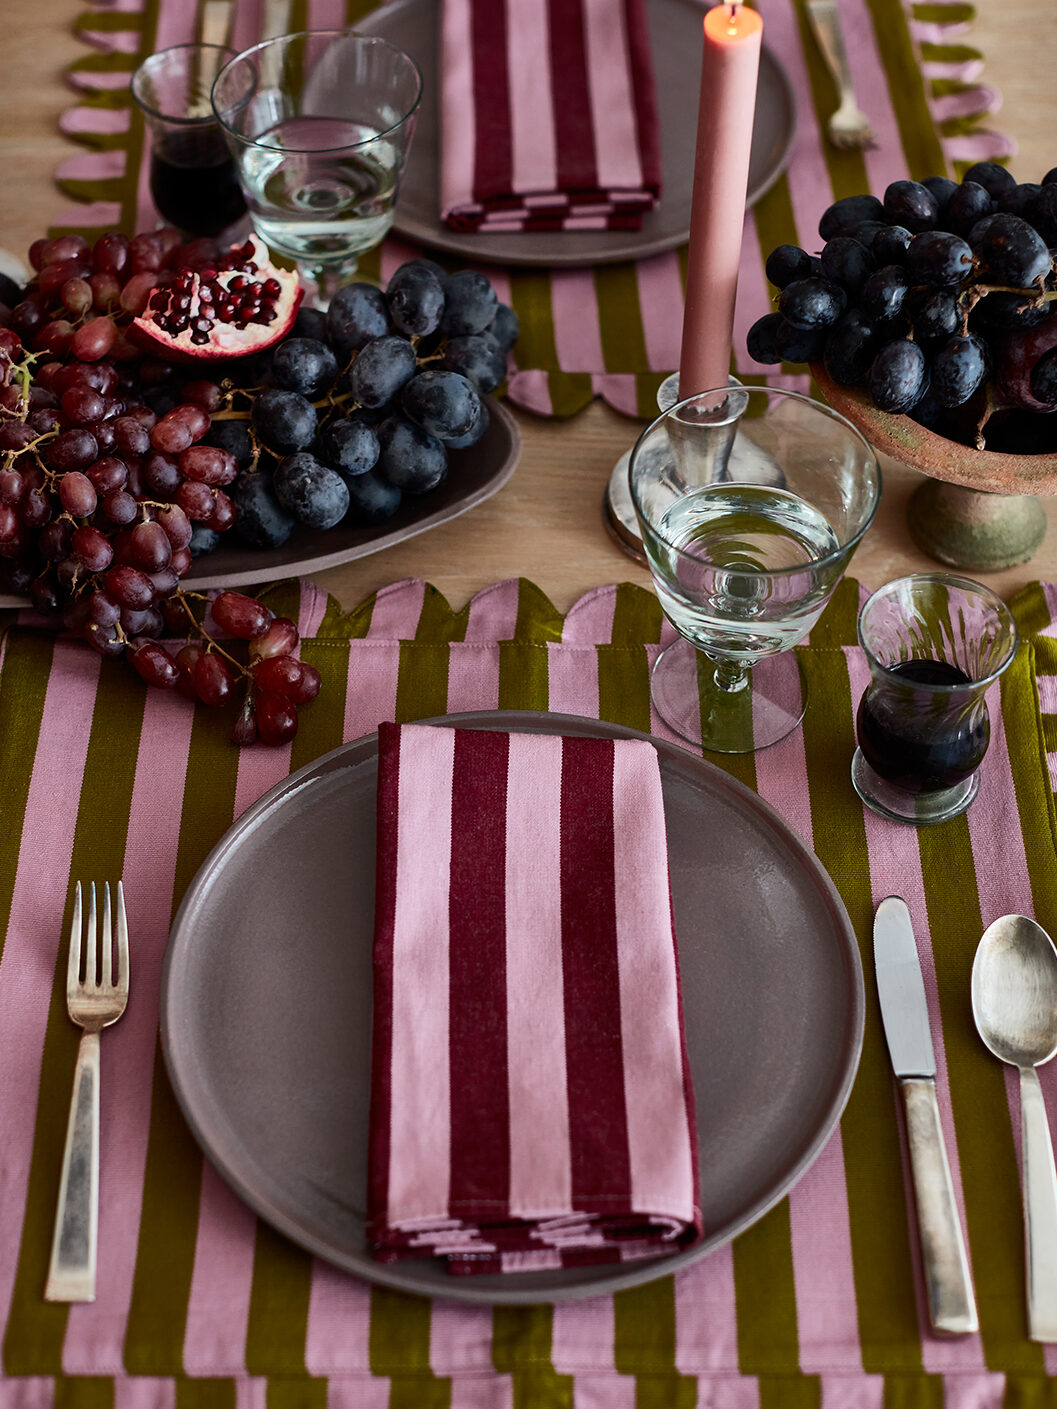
(93, 1003)
(848, 126)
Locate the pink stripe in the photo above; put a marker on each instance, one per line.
(218, 1306)
(887, 161)
(613, 114)
(496, 1392)
(577, 334)
(706, 1322)
(420, 1109)
(312, 609)
(144, 1392)
(531, 390)
(572, 680)
(397, 609)
(754, 297)
(540, 1171)
(609, 1392)
(460, 1338)
(473, 677)
(95, 215)
(339, 1317)
(75, 120)
(1047, 688)
(366, 1392)
(1049, 593)
(246, 24)
(458, 124)
(176, 25)
(662, 1179)
(493, 612)
(32, 1392)
(620, 389)
(856, 1392)
(35, 925)
(589, 621)
(123, 41)
(326, 14)
(967, 103)
(974, 1391)
(94, 166)
(371, 692)
(95, 1334)
(533, 160)
(980, 146)
(260, 768)
(660, 289)
(781, 780)
(582, 1336)
(895, 869)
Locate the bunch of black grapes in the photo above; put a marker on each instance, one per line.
(939, 300)
(367, 403)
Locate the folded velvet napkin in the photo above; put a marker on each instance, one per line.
(531, 1102)
(548, 115)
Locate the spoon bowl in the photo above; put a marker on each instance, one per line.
(1014, 997)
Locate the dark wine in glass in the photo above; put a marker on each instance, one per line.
(193, 182)
(922, 740)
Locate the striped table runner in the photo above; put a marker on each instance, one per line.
(614, 330)
(819, 1304)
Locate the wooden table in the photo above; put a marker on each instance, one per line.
(547, 523)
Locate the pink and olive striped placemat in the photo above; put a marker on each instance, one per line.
(819, 1304)
(613, 330)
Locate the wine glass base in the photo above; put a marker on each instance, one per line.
(769, 705)
(917, 809)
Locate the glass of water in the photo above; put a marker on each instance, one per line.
(751, 501)
(320, 125)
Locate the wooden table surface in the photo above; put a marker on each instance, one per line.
(547, 523)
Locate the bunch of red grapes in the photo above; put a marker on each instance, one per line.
(100, 497)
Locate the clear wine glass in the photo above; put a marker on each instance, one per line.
(751, 501)
(320, 125)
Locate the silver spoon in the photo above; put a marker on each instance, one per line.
(1014, 990)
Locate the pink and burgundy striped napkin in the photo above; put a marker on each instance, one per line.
(548, 115)
(531, 1102)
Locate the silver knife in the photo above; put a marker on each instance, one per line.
(904, 1010)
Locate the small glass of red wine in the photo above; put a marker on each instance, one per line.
(934, 643)
(193, 181)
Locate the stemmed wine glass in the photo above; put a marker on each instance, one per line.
(320, 125)
(751, 501)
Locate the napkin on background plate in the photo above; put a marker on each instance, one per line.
(531, 1102)
(548, 115)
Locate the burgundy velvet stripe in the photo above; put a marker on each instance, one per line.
(384, 922)
(573, 120)
(598, 1129)
(480, 1114)
(493, 150)
(647, 120)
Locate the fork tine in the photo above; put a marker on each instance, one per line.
(73, 962)
(105, 939)
(122, 943)
(90, 940)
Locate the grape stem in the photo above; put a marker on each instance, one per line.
(200, 631)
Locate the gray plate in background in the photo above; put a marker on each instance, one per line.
(676, 43)
(266, 1007)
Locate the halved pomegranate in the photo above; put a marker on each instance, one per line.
(240, 305)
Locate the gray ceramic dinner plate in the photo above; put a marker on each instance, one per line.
(266, 1007)
(474, 475)
(675, 41)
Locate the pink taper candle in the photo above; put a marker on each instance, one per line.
(729, 69)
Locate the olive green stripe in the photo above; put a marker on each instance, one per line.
(538, 619)
(542, 1389)
(624, 686)
(637, 616)
(787, 1392)
(398, 1339)
(523, 682)
(161, 1286)
(321, 723)
(837, 625)
(950, 54)
(666, 1392)
(883, 1268)
(1048, 724)
(422, 681)
(530, 298)
(280, 1289)
(1027, 755)
(437, 622)
(922, 148)
(977, 1093)
(99, 22)
(35, 1329)
(209, 1393)
(620, 319)
(766, 1295)
(644, 1327)
(83, 1392)
(26, 667)
(340, 625)
(944, 14)
(1030, 609)
(569, 392)
(283, 598)
(433, 1393)
(847, 165)
(105, 63)
(919, 1392)
(776, 224)
(521, 1336)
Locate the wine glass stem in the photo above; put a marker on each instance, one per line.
(730, 676)
(322, 281)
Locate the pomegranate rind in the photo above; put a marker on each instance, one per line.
(225, 339)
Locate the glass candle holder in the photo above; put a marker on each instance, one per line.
(193, 181)
(934, 644)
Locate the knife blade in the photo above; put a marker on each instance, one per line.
(905, 1015)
